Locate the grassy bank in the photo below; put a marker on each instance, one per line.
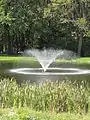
(14, 59)
(27, 114)
(84, 60)
(49, 96)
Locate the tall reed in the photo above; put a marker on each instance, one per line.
(50, 96)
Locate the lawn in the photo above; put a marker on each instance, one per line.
(27, 114)
(82, 60)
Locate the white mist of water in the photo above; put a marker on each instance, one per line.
(48, 56)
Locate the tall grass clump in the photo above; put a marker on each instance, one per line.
(50, 96)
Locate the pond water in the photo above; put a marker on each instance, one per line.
(5, 67)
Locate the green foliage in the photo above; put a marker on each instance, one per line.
(43, 23)
(82, 23)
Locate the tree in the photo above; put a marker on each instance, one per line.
(44, 23)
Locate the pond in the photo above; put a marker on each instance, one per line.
(6, 66)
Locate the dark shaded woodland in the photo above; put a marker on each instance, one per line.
(62, 24)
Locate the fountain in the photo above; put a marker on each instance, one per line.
(46, 58)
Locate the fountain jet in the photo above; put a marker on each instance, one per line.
(47, 56)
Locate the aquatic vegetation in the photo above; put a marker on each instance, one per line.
(48, 96)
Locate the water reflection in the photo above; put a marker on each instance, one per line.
(4, 67)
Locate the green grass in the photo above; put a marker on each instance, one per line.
(28, 114)
(12, 58)
(84, 60)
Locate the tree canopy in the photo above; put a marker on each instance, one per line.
(62, 24)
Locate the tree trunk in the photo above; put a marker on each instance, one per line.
(80, 44)
(5, 39)
(9, 42)
(17, 47)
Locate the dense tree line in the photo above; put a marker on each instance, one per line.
(62, 24)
